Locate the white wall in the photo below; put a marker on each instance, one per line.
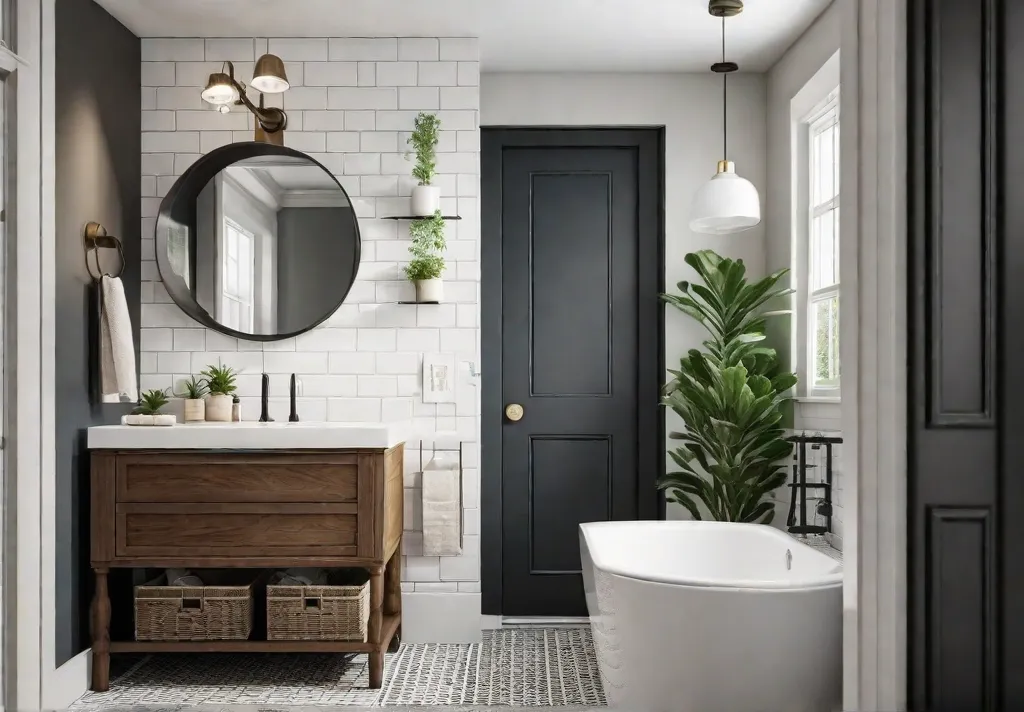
(351, 106)
(785, 80)
(689, 106)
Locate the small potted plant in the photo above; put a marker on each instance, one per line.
(195, 406)
(220, 382)
(427, 264)
(148, 410)
(426, 198)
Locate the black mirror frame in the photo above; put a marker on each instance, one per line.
(187, 187)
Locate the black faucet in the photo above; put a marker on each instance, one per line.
(293, 417)
(265, 411)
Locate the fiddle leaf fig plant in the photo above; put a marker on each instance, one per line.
(151, 402)
(730, 397)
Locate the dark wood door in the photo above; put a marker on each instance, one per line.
(966, 420)
(575, 336)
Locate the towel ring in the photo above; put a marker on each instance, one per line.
(96, 237)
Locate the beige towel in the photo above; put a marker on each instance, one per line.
(117, 350)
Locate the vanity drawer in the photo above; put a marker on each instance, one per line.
(237, 477)
(210, 530)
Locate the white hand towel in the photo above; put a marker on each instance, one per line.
(117, 351)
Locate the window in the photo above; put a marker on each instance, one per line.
(822, 253)
(237, 277)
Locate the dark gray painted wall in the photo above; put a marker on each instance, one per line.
(314, 259)
(98, 176)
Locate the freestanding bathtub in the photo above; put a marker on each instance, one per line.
(712, 617)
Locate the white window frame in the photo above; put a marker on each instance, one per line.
(244, 300)
(810, 103)
(825, 117)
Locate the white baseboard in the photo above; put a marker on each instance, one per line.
(441, 618)
(68, 682)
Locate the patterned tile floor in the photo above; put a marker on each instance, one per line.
(536, 667)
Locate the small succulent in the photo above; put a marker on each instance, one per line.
(151, 402)
(220, 380)
(195, 388)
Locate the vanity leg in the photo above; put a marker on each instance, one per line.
(376, 627)
(393, 594)
(101, 633)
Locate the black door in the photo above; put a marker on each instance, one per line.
(572, 340)
(966, 422)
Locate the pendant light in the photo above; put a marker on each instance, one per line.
(727, 203)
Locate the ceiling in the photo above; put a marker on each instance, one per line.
(515, 35)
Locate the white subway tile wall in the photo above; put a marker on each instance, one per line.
(351, 106)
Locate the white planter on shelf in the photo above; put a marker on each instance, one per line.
(139, 419)
(426, 199)
(429, 290)
(195, 410)
(218, 408)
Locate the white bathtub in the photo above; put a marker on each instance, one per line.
(712, 617)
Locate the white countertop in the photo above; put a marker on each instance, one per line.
(248, 436)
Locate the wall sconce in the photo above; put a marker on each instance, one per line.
(223, 90)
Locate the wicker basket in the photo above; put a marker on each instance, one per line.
(168, 613)
(318, 612)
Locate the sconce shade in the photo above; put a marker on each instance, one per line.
(269, 76)
(726, 203)
(220, 90)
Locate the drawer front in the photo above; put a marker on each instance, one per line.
(174, 530)
(237, 478)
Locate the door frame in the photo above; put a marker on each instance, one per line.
(650, 143)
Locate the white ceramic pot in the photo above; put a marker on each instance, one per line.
(426, 199)
(195, 410)
(218, 409)
(429, 290)
(164, 420)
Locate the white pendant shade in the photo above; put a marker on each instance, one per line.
(726, 203)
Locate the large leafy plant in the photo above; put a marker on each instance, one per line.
(730, 397)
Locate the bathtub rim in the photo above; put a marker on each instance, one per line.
(829, 580)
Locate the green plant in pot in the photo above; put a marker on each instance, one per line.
(427, 264)
(193, 391)
(731, 397)
(147, 412)
(426, 198)
(220, 382)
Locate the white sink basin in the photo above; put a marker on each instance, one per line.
(249, 436)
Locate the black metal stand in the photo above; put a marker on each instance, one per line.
(800, 484)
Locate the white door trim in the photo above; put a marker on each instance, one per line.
(874, 348)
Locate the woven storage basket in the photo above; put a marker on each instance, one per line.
(168, 613)
(318, 612)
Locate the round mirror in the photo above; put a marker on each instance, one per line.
(257, 241)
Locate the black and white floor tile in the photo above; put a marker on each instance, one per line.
(536, 667)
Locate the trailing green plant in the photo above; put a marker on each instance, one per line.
(730, 397)
(195, 388)
(424, 142)
(220, 380)
(151, 402)
(427, 245)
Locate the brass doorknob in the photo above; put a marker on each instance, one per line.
(513, 411)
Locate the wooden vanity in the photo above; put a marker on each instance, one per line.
(246, 508)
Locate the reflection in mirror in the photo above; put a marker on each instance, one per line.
(274, 248)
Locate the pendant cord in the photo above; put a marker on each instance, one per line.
(725, 102)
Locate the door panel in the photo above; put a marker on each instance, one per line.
(966, 576)
(577, 238)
